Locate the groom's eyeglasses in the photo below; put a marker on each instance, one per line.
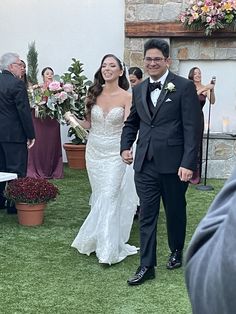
(155, 60)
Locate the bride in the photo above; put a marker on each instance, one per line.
(106, 229)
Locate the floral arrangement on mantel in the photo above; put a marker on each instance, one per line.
(31, 191)
(209, 15)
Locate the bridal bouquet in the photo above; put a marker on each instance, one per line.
(63, 99)
(209, 15)
(54, 100)
(58, 101)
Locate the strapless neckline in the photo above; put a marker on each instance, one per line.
(106, 113)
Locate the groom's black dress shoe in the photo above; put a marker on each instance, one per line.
(142, 274)
(175, 260)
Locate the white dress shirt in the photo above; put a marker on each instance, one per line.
(156, 93)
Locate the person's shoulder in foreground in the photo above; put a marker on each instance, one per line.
(210, 261)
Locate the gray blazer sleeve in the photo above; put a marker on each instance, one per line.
(210, 261)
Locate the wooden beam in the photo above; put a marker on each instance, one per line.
(154, 29)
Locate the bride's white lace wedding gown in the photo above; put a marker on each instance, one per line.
(114, 200)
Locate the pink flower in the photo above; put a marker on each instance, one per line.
(54, 86)
(62, 97)
(68, 87)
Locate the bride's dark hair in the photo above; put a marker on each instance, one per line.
(96, 88)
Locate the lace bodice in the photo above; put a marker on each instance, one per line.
(107, 124)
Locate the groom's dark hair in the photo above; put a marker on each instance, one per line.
(159, 44)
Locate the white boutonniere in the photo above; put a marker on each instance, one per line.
(170, 87)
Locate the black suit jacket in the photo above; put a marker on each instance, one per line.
(173, 131)
(15, 116)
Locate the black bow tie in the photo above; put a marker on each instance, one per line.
(153, 86)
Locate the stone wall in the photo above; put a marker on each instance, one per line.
(221, 155)
(201, 49)
(183, 49)
(153, 10)
(160, 11)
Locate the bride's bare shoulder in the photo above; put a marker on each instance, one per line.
(125, 94)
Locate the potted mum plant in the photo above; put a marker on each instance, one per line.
(75, 150)
(30, 196)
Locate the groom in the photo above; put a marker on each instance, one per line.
(167, 114)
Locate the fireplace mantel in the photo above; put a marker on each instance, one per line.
(154, 29)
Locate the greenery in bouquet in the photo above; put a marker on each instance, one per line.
(80, 83)
(209, 15)
(64, 98)
(54, 101)
(76, 138)
(31, 190)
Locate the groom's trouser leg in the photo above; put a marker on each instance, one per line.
(148, 190)
(173, 195)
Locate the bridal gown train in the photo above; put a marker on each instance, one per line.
(114, 200)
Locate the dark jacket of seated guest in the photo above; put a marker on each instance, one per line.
(210, 263)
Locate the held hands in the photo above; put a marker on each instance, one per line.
(185, 174)
(127, 156)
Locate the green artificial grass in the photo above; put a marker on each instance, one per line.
(41, 273)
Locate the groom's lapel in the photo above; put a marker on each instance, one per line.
(144, 90)
(163, 93)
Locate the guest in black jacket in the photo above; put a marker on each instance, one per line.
(16, 127)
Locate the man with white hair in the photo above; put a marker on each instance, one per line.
(16, 126)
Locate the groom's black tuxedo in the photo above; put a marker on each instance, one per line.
(172, 131)
(168, 139)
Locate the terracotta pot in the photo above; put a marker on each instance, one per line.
(75, 155)
(30, 214)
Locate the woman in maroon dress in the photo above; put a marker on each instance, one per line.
(204, 92)
(45, 158)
